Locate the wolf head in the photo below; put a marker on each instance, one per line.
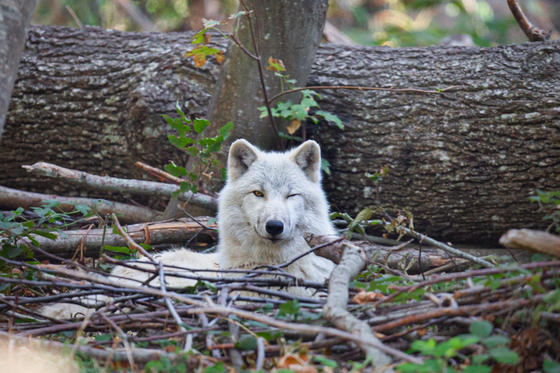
(270, 200)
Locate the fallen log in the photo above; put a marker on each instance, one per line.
(114, 184)
(462, 161)
(531, 240)
(177, 232)
(129, 214)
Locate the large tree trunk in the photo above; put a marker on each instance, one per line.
(462, 161)
(287, 30)
(14, 18)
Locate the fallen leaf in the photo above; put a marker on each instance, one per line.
(366, 297)
(294, 126)
(220, 57)
(207, 39)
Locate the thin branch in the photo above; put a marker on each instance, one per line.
(76, 19)
(236, 41)
(353, 261)
(315, 248)
(13, 198)
(130, 242)
(357, 88)
(533, 33)
(163, 176)
(137, 16)
(124, 338)
(172, 309)
(113, 184)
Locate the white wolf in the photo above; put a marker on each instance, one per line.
(269, 202)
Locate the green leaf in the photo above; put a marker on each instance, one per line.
(330, 118)
(225, 131)
(325, 166)
(504, 355)
(495, 340)
(290, 308)
(217, 368)
(200, 125)
(479, 359)
(325, 361)
(103, 337)
(246, 343)
(269, 335)
(118, 249)
(198, 37)
(13, 251)
(481, 328)
(50, 236)
(175, 170)
(550, 366)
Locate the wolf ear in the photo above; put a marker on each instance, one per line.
(241, 156)
(308, 157)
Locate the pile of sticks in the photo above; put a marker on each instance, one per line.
(246, 318)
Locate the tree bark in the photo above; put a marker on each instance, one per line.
(286, 30)
(14, 18)
(462, 161)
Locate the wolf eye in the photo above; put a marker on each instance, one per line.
(293, 195)
(258, 193)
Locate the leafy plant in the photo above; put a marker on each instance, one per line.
(441, 353)
(297, 113)
(203, 148)
(50, 221)
(290, 310)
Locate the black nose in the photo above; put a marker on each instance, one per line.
(274, 227)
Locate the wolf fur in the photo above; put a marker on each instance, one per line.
(269, 202)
